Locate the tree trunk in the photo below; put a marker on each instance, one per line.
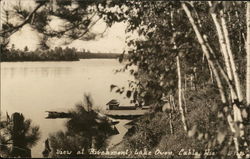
(191, 82)
(231, 58)
(211, 74)
(179, 82)
(237, 112)
(185, 82)
(222, 44)
(171, 123)
(224, 47)
(180, 95)
(237, 121)
(229, 82)
(184, 100)
(172, 102)
(248, 55)
(19, 146)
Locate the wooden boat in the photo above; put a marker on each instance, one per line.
(125, 114)
(117, 111)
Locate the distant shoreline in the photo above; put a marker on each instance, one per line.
(80, 56)
(58, 60)
(89, 55)
(56, 54)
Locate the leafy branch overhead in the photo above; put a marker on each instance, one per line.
(78, 18)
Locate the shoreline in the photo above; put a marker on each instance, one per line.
(57, 60)
(115, 140)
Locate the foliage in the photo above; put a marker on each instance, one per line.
(154, 53)
(166, 32)
(152, 131)
(78, 17)
(17, 138)
(57, 54)
(85, 130)
(88, 55)
(147, 132)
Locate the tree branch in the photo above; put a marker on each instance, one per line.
(27, 20)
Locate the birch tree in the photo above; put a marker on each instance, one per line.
(182, 112)
(248, 54)
(226, 53)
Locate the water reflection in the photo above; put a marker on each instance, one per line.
(13, 72)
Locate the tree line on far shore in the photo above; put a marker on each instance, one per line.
(56, 54)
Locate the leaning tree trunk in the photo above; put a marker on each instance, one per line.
(180, 95)
(222, 43)
(231, 58)
(237, 112)
(248, 55)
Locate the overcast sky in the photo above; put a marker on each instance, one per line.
(113, 40)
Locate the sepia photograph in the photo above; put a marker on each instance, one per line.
(124, 79)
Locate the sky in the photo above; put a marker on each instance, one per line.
(113, 40)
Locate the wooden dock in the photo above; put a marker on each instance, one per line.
(120, 112)
(125, 114)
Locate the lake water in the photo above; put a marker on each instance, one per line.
(32, 88)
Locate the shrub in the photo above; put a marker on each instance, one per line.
(207, 130)
(84, 130)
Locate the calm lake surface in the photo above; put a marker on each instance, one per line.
(35, 87)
